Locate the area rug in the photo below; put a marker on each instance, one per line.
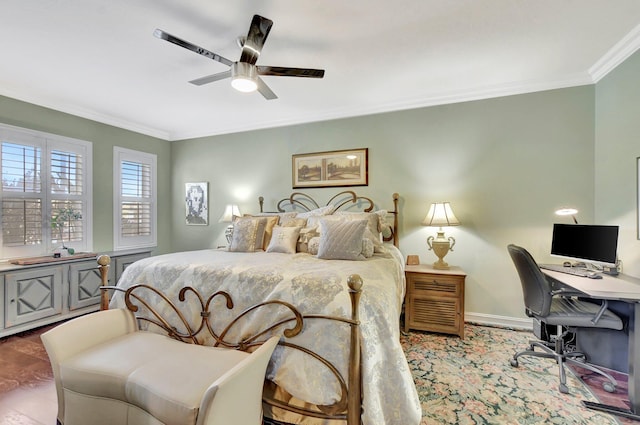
(470, 381)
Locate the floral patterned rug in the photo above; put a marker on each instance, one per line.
(470, 381)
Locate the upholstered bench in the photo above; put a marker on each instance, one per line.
(109, 372)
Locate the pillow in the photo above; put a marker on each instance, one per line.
(317, 212)
(367, 248)
(314, 244)
(284, 240)
(248, 234)
(373, 220)
(272, 220)
(341, 240)
(306, 234)
(293, 222)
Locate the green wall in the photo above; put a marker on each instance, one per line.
(505, 165)
(617, 150)
(104, 138)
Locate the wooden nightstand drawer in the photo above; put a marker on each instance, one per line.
(440, 284)
(435, 299)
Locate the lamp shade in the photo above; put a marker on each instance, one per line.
(229, 211)
(440, 214)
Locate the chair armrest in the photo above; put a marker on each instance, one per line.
(81, 333)
(77, 335)
(236, 397)
(564, 292)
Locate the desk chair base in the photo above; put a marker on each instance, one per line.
(561, 357)
(613, 410)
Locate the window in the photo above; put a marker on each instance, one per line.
(44, 175)
(134, 199)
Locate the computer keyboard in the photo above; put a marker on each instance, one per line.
(576, 271)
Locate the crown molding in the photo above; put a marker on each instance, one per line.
(616, 55)
(436, 99)
(84, 113)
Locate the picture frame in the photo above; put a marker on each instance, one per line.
(196, 204)
(638, 196)
(331, 169)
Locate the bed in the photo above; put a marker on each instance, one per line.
(306, 267)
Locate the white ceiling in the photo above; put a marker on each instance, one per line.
(98, 59)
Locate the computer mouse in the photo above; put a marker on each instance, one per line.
(594, 275)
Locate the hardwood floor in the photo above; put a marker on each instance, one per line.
(27, 392)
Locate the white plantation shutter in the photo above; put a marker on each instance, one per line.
(135, 203)
(22, 197)
(42, 173)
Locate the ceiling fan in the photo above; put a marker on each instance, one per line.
(245, 74)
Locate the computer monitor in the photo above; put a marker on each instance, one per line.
(586, 243)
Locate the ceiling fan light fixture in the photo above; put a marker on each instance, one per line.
(244, 77)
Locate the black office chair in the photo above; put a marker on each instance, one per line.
(549, 304)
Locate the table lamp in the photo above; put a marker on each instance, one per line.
(440, 214)
(227, 217)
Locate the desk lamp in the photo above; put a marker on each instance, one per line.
(440, 214)
(568, 211)
(227, 217)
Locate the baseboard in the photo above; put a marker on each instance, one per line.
(498, 321)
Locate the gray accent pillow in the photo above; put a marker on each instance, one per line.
(341, 239)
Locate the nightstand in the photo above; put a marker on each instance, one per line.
(434, 299)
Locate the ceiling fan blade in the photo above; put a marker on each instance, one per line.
(265, 90)
(190, 46)
(211, 78)
(290, 72)
(258, 32)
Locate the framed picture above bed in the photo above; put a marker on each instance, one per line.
(331, 169)
(197, 204)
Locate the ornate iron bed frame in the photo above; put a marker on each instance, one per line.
(342, 200)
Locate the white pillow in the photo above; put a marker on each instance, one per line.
(284, 239)
(341, 240)
(317, 212)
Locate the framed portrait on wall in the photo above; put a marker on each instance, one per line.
(331, 169)
(197, 204)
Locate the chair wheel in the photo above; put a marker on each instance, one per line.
(609, 387)
(563, 389)
(514, 362)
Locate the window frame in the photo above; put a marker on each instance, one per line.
(120, 243)
(47, 143)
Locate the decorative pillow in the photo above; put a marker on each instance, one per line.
(317, 212)
(306, 234)
(293, 222)
(314, 244)
(272, 220)
(341, 240)
(284, 240)
(248, 234)
(367, 248)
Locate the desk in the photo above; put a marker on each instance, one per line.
(623, 288)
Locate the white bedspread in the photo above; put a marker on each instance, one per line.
(315, 287)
